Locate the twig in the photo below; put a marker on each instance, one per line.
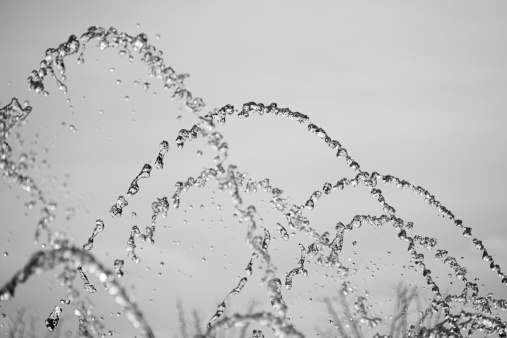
(335, 317)
(32, 327)
(12, 332)
(397, 314)
(197, 321)
(181, 315)
(281, 326)
(251, 307)
(348, 314)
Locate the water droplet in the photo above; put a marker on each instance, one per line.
(118, 265)
(52, 320)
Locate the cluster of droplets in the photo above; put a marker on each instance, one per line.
(131, 244)
(134, 186)
(187, 135)
(87, 285)
(99, 227)
(164, 148)
(74, 260)
(53, 62)
(300, 269)
(117, 209)
(222, 148)
(10, 115)
(13, 115)
(282, 231)
(296, 220)
(360, 309)
(221, 307)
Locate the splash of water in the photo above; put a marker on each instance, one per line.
(321, 248)
(42, 261)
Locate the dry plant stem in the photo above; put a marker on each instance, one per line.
(42, 261)
(399, 295)
(197, 321)
(348, 314)
(399, 322)
(419, 310)
(251, 307)
(437, 318)
(181, 315)
(409, 301)
(17, 322)
(32, 327)
(283, 329)
(22, 327)
(335, 317)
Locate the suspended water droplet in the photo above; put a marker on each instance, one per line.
(118, 265)
(117, 209)
(54, 317)
(163, 149)
(281, 230)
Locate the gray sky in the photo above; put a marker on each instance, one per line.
(416, 90)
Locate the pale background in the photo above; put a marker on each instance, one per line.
(416, 90)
